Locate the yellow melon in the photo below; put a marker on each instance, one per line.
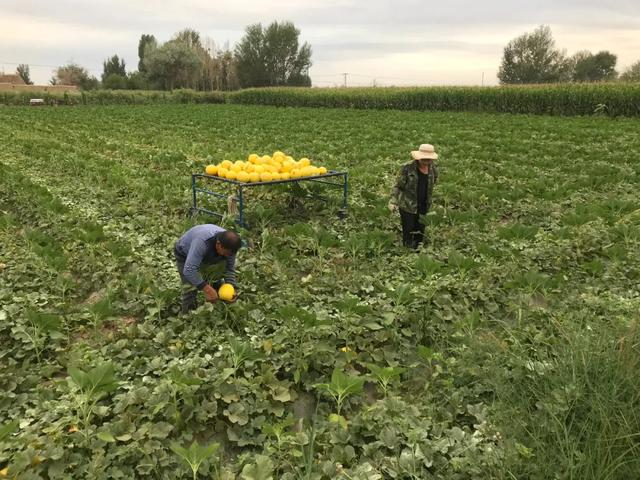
(287, 166)
(226, 292)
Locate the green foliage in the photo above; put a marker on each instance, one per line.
(262, 469)
(173, 64)
(119, 97)
(241, 353)
(8, 429)
(37, 330)
(506, 348)
(272, 57)
(137, 81)
(113, 66)
(562, 99)
(533, 58)
(575, 393)
(92, 386)
(113, 81)
(23, 71)
(74, 74)
(557, 99)
(385, 375)
(226, 76)
(147, 43)
(341, 387)
(95, 382)
(588, 67)
(195, 454)
(632, 73)
(189, 37)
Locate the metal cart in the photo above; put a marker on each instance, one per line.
(200, 181)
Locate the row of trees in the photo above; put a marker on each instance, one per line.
(23, 71)
(265, 56)
(273, 56)
(534, 58)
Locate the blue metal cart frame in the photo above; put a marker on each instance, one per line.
(240, 186)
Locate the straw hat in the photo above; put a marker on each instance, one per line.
(426, 150)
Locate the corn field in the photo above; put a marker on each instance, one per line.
(565, 99)
(610, 99)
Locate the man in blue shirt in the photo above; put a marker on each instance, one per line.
(204, 244)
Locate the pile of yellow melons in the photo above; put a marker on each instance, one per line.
(265, 168)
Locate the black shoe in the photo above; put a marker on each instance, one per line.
(188, 307)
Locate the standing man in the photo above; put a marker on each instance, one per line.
(413, 192)
(204, 244)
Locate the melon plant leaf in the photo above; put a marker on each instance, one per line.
(341, 386)
(46, 322)
(102, 378)
(342, 382)
(195, 454)
(261, 470)
(106, 437)
(8, 429)
(79, 377)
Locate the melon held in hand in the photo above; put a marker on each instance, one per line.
(226, 292)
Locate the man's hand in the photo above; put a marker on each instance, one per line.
(210, 294)
(392, 206)
(233, 300)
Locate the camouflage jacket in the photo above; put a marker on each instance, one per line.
(405, 192)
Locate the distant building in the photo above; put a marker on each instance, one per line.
(12, 78)
(13, 83)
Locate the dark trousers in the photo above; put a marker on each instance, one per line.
(189, 293)
(412, 229)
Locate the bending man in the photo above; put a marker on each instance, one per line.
(204, 245)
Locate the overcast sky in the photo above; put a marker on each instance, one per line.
(404, 42)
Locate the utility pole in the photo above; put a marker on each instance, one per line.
(345, 78)
(482, 84)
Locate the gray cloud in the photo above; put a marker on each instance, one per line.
(370, 49)
(340, 31)
(145, 16)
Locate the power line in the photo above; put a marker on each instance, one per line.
(30, 64)
(374, 78)
(46, 66)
